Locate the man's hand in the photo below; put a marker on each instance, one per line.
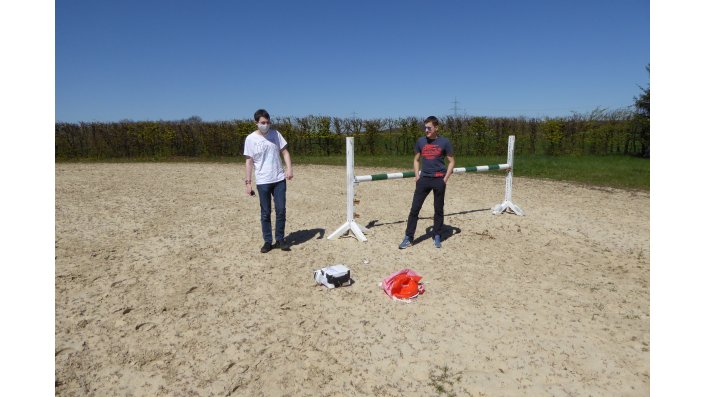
(248, 190)
(451, 166)
(289, 174)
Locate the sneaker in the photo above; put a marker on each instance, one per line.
(283, 245)
(437, 240)
(266, 248)
(406, 243)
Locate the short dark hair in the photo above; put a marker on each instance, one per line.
(432, 119)
(261, 113)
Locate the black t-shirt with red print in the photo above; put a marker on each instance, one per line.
(433, 155)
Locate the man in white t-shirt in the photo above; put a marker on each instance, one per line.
(262, 149)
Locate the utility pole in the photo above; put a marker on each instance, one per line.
(455, 107)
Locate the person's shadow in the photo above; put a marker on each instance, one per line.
(302, 236)
(374, 223)
(446, 232)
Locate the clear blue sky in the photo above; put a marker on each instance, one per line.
(220, 60)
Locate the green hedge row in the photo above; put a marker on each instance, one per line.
(601, 133)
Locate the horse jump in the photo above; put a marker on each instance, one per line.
(352, 181)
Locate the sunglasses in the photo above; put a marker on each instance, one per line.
(427, 128)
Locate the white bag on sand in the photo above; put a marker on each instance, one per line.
(333, 276)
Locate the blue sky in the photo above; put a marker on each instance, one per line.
(220, 60)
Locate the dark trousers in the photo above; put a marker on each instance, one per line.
(276, 190)
(423, 188)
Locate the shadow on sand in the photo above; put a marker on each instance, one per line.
(302, 236)
(374, 223)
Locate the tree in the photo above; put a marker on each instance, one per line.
(642, 117)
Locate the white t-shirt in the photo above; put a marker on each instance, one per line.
(264, 151)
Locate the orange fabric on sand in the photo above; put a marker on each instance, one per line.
(403, 284)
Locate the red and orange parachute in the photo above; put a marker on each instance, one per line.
(404, 284)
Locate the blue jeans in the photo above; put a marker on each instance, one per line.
(266, 192)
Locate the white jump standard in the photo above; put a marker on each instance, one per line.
(352, 181)
(507, 204)
(350, 224)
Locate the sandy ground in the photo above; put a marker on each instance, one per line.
(161, 289)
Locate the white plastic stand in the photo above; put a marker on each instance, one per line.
(350, 225)
(507, 205)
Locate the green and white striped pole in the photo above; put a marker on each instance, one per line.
(410, 174)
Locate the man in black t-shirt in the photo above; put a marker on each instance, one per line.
(431, 174)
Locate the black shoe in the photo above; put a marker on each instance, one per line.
(283, 245)
(266, 248)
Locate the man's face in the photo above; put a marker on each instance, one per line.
(263, 120)
(431, 130)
